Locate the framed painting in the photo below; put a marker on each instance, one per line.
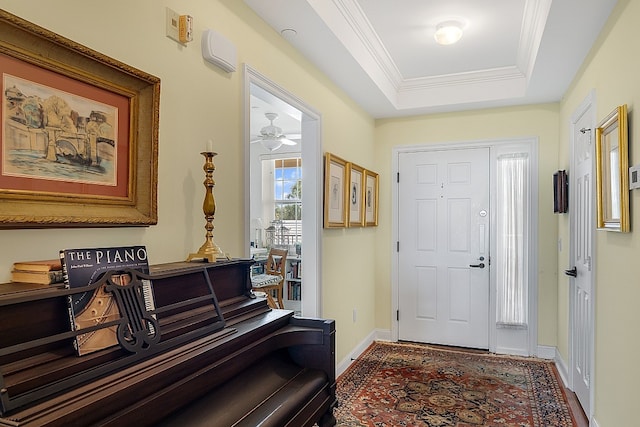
(612, 172)
(335, 191)
(79, 140)
(370, 198)
(356, 195)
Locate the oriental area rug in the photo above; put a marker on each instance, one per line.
(397, 384)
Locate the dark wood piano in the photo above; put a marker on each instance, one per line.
(213, 356)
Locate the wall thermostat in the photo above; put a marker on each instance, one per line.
(634, 177)
(218, 50)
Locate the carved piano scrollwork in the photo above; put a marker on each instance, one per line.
(138, 328)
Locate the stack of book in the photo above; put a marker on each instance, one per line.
(43, 272)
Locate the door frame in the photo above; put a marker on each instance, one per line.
(587, 105)
(312, 166)
(493, 145)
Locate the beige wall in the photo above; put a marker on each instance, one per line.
(540, 121)
(201, 102)
(612, 71)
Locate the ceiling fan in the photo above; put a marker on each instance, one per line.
(271, 136)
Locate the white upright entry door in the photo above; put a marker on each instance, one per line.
(443, 247)
(581, 235)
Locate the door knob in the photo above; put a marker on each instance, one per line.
(573, 272)
(481, 265)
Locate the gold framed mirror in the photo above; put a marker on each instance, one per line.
(612, 172)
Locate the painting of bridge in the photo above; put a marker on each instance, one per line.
(53, 135)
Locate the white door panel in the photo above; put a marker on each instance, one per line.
(581, 249)
(443, 231)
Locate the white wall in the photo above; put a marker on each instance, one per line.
(200, 102)
(611, 70)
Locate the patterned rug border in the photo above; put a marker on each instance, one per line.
(474, 352)
(366, 357)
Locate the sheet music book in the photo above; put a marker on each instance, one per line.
(85, 266)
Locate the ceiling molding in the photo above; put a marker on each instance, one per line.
(355, 16)
(462, 88)
(346, 19)
(350, 26)
(382, 53)
(534, 22)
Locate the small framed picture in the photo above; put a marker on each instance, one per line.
(370, 198)
(335, 185)
(356, 195)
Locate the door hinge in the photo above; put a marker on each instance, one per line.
(398, 246)
(398, 177)
(398, 315)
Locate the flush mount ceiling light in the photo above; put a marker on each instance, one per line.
(448, 32)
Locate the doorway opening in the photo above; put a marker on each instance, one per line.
(283, 184)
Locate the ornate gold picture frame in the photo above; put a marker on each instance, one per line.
(370, 198)
(335, 191)
(612, 172)
(355, 195)
(79, 141)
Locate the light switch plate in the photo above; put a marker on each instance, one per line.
(173, 25)
(634, 177)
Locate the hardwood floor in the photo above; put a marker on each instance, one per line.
(576, 409)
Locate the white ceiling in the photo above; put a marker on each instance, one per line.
(382, 52)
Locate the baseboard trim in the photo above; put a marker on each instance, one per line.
(512, 351)
(375, 335)
(546, 352)
(563, 369)
(357, 351)
(383, 334)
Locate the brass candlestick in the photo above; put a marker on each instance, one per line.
(209, 251)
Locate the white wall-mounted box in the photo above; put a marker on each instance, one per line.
(218, 50)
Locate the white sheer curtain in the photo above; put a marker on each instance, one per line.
(512, 196)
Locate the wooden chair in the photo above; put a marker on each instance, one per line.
(273, 277)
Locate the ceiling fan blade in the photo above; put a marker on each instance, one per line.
(281, 138)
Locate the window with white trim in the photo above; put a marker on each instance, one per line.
(286, 210)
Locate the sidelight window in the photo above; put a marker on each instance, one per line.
(512, 234)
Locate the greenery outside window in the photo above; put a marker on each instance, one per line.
(287, 201)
